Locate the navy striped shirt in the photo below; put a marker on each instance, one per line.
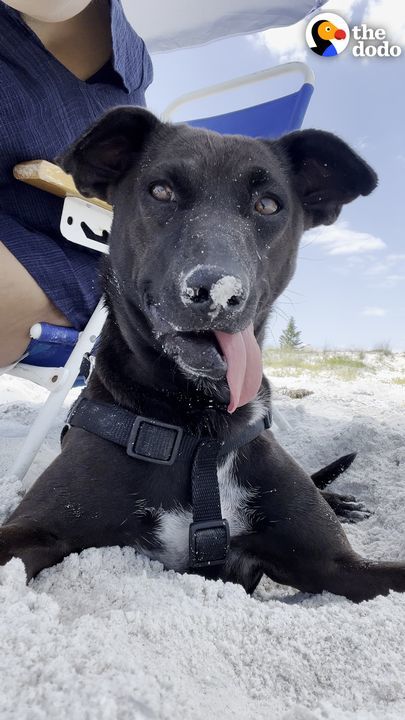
(43, 108)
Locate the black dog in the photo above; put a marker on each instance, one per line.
(204, 239)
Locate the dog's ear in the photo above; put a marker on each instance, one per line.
(103, 154)
(327, 174)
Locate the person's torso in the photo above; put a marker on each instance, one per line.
(44, 107)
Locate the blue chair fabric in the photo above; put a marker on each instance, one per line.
(268, 120)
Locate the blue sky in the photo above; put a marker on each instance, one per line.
(349, 288)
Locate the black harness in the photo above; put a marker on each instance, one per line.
(153, 441)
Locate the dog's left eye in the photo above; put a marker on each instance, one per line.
(162, 192)
(267, 206)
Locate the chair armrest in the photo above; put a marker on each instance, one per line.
(51, 178)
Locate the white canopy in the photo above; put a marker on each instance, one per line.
(173, 24)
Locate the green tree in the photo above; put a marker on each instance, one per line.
(290, 337)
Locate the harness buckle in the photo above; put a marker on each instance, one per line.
(154, 441)
(209, 542)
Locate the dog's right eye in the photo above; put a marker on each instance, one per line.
(267, 206)
(162, 191)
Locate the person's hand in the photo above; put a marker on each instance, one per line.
(49, 10)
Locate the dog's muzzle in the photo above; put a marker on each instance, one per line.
(211, 290)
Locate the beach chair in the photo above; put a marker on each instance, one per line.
(268, 117)
(58, 358)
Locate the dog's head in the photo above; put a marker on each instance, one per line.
(206, 231)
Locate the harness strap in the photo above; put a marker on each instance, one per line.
(157, 442)
(209, 533)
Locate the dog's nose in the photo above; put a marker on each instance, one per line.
(211, 287)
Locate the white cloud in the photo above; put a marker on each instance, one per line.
(344, 8)
(394, 279)
(387, 14)
(340, 239)
(288, 43)
(362, 143)
(374, 312)
(389, 271)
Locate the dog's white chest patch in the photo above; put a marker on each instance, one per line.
(173, 526)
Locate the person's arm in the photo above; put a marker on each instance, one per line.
(23, 302)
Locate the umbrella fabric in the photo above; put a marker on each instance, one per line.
(184, 23)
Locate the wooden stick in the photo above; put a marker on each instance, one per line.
(51, 178)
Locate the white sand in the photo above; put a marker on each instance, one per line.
(108, 635)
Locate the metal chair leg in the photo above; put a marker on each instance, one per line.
(50, 409)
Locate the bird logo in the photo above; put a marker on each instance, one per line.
(327, 34)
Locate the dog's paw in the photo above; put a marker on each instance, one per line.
(346, 507)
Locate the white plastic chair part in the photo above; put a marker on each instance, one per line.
(246, 81)
(49, 378)
(8, 369)
(59, 388)
(77, 215)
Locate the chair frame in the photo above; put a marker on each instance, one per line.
(246, 80)
(59, 381)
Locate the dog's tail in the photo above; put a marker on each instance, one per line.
(326, 475)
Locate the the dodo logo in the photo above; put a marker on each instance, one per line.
(327, 34)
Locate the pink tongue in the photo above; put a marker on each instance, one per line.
(245, 368)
